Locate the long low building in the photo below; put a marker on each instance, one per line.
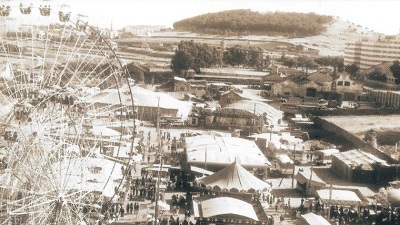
(357, 166)
(233, 75)
(387, 98)
(217, 152)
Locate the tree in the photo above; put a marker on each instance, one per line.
(307, 63)
(377, 75)
(289, 62)
(182, 60)
(191, 55)
(235, 56)
(395, 69)
(254, 58)
(352, 69)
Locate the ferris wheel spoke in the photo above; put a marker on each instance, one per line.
(39, 174)
(72, 55)
(51, 153)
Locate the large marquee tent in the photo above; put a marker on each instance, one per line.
(234, 178)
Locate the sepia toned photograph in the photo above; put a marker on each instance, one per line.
(199, 112)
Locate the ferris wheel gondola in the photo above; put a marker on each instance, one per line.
(5, 10)
(25, 9)
(63, 16)
(45, 10)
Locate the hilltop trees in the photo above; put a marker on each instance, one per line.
(245, 22)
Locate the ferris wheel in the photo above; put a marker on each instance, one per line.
(62, 87)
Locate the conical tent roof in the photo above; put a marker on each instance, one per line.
(234, 177)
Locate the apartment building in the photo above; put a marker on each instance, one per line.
(367, 53)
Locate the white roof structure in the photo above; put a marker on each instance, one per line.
(355, 157)
(104, 131)
(313, 219)
(283, 141)
(339, 197)
(259, 108)
(89, 174)
(327, 152)
(285, 159)
(213, 150)
(227, 206)
(141, 97)
(235, 178)
(233, 71)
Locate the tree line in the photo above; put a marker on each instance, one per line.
(191, 55)
(247, 22)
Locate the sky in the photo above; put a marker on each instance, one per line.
(380, 16)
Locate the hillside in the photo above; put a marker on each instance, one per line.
(330, 42)
(247, 22)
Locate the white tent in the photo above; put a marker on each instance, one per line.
(313, 219)
(234, 178)
(162, 206)
(227, 206)
(339, 197)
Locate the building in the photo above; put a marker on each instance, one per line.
(234, 75)
(296, 86)
(235, 95)
(143, 30)
(198, 88)
(367, 53)
(358, 166)
(386, 98)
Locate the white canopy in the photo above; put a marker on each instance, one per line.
(234, 178)
(162, 206)
(339, 197)
(313, 219)
(89, 174)
(104, 131)
(213, 150)
(225, 206)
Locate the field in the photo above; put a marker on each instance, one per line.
(360, 124)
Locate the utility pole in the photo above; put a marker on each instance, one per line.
(156, 196)
(310, 184)
(254, 120)
(294, 164)
(330, 202)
